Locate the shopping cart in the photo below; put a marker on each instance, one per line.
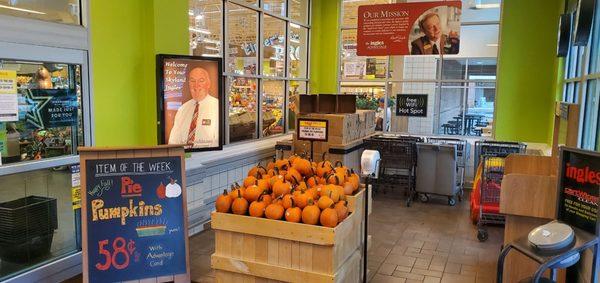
(484, 147)
(398, 162)
(489, 197)
(486, 200)
(462, 153)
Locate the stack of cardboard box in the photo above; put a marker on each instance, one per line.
(345, 136)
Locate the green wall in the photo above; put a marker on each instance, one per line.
(124, 43)
(324, 46)
(527, 70)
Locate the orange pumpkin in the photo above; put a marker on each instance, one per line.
(252, 193)
(323, 168)
(257, 170)
(293, 214)
(287, 201)
(311, 213)
(325, 202)
(301, 186)
(348, 188)
(282, 164)
(257, 208)
(239, 205)
(329, 217)
(334, 179)
(342, 210)
(312, 181)
(249, 181)
(274, 179)
(271, 164)
(293, 176)
(266, 198)
(313, 193)
(354, 179)
(235, 191)
(331, 191)
(301, 199)
(223, 202)
(340, 190)
(274, 211)
(303, 166)
(263, 184)
(281, 188)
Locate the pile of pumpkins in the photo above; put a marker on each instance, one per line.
(295, 190)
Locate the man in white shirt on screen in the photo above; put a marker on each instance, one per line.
(197, 121)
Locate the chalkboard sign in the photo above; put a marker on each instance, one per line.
(135, 225)
(578, 189)
(411, 105)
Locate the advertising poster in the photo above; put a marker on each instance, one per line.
(190, 102)
(9, 102)
(579, 186)
(135, 218)
(420, 28)
(48, 108)
(411, 105)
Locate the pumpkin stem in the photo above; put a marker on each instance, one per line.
(293, 204)
(239, 194)
(225, 192)
(295, 180)
(340, 163)
(323, 157)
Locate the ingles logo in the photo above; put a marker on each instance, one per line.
(582, 175)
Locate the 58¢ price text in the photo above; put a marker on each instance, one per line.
(117, 257)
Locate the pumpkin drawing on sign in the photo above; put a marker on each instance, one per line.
(173, 189)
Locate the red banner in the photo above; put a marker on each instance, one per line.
(423, 28)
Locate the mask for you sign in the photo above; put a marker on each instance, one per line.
(135, 218)
(423, 28)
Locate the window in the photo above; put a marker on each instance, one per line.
(461, 88)
(49, 121)
(60, 11)
(265, 49)
(39, 144)
(295, 89)
(206, 28)
(582, 73)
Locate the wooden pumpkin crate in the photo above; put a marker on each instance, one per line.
(258, 249)
(356, 201)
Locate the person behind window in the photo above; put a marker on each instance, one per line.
(197, 121)
(434, 41)
(380, 118)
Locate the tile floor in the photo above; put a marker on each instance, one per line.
(430, 242)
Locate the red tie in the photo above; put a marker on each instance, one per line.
(192, 132)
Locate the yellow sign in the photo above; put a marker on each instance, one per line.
(76, 197)
(314, 124)
(314, 130)
(8, 82)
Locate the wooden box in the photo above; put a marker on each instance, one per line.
(308, 103)
(250, 249)
(327, 103)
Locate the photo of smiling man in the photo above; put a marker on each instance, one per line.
(435, 36)
(191, 93)
(434, 41)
